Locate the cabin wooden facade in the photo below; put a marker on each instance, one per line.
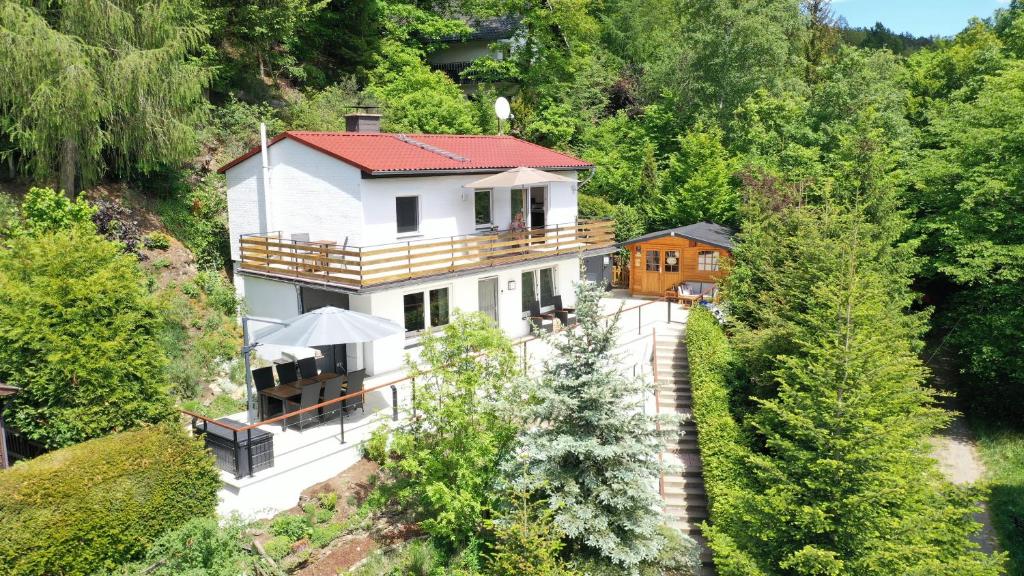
(691, 256)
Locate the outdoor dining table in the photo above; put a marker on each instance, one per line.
(283, 392)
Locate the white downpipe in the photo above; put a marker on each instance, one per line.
(264, 153)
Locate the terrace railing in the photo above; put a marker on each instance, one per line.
(358, 267)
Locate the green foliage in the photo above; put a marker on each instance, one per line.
(628, 221)
(86, 85)
(375, 449)
(291, 526)
(591, 451)
(1002, 450)
(10, 215)
(45, 210)
(526, 541)
(157, 241)
(219, 406)
(80, 339)
(200, 546)
(325, 109)
(445, 464)
(100, 503)
(220, 294)
(698, 182)
(416, 99)
(324, 534)
(278, 547)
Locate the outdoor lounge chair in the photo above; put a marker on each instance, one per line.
(263, 379)
(310, 396)
(333, 389)
(307, 367)
(566, 315)
(355, 384)
(540, 321)
(287, 373)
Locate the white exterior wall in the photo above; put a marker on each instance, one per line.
(310, 192)
(463, 52)
(446, 207)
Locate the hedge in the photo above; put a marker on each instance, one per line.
(100, 503)
(723, 446)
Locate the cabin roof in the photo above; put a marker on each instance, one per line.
(704, 232)
(389, 154)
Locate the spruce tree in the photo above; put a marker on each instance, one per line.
(591, 450)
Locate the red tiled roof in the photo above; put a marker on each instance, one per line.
(385, 153)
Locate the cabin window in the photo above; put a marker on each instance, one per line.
(671, 261)
(538, 288)
(428, 308)
(482, 207)
(407, 214)
(653, 261)
(707, 260)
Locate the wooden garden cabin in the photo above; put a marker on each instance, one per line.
(688, 256)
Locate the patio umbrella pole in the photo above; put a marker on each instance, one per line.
(250, 407)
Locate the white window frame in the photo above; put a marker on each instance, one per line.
(419, 217)
(414, 335)
(490, 205)
(536, 282)
(706, 266)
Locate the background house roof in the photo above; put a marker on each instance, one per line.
(381, 153)
(704, 232)
(497, 28)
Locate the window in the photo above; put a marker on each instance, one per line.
(707, 260)
(547, 287)
(482, 207)
(538, 288)
(414, 318)
(518, 204)
(671, 261)
(407, 214)
(424, 309)
(653, 261)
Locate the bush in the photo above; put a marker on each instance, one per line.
(323, 535)
(102, 503)
(629, 223)
(79, 337)
(292, 526)
(45, 210)
(278, 547)
(375, 449)
(157, 241)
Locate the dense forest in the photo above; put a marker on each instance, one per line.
(876, 181)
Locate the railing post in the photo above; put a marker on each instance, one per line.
(408, 257)
(234, 452)
(341, 425)
(639, 320)
(248, 449)
(394, 403)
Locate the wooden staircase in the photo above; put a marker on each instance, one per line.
(682, 487)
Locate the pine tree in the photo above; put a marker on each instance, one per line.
(592, 451)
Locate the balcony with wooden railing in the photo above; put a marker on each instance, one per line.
(361, 267)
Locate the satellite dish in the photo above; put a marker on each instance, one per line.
(501, 108)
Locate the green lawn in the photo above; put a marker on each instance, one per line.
(1002, 449)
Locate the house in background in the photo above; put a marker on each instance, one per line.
(491, 37)
(398, 226)
(688, 257)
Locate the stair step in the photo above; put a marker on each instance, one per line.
(680, 485)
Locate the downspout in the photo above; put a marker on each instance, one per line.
(583, 183)
(266, 178)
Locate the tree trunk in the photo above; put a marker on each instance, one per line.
(11, 172)
(68, 167)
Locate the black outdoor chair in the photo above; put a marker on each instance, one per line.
(566, 315)
(310, 396)
(287, 373)
(263, 379)
(355, 384)
(307, 367)
(540, 321)
(333, 389)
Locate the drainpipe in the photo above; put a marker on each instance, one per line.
(266, 177)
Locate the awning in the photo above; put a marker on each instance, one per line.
(518, 177)
(327, 326)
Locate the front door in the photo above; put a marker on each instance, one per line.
(487, 294)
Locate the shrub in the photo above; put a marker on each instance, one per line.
(115, 223)
(79, 337)
(157, 241)
(292, 526)
(329, 501)
(323, 535)
(375, 448)
(101, 503)
(278, 547)
(45, 210)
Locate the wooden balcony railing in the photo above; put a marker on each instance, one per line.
(358, 267)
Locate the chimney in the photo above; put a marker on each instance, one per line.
(362, 122)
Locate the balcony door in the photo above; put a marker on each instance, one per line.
(487, 294)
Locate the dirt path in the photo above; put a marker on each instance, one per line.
(955, 449)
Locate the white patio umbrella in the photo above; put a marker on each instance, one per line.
(519, 177)
(321, 327)
(327, 326)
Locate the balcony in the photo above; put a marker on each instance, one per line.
(362, 267)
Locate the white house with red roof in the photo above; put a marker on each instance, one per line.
(408, 227)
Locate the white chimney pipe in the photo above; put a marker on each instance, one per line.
(264, 153)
